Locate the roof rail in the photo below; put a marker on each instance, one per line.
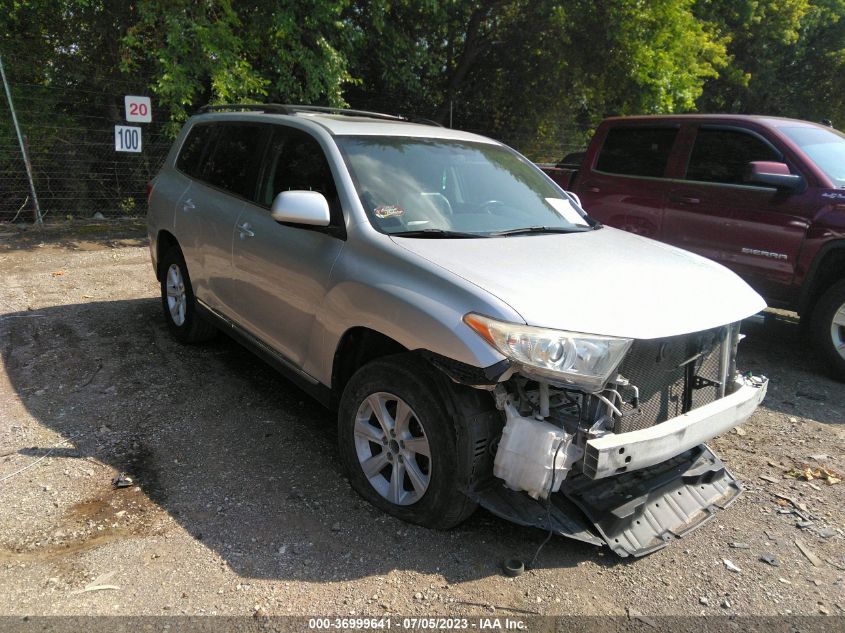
(280, 108)
(346, 112)
(272, 108)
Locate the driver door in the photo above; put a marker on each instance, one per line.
(282, 271)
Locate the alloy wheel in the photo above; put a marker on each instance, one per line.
(393, 449)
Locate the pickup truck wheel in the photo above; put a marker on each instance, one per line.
(398, 442)
(828, 327)
(179, 303)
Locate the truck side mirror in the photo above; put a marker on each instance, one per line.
(772, 174)
(301, 207)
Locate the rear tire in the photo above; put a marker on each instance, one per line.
(179, 303)
(398, 415)
(828, 328)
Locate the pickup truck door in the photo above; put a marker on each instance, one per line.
(282, 271)
(624, 186)
(712, 210)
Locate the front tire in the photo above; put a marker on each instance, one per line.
(179, 303)
(828, 328)
(399, 445)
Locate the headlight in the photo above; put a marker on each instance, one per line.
(582, 360)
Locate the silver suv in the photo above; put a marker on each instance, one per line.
(483, 340)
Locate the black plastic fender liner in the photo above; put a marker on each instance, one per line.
(635, 513)
(467, 374)
(642, 511)
(517, 507)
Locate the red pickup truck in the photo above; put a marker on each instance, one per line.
(764, 196)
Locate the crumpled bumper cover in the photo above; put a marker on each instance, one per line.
(614, 454)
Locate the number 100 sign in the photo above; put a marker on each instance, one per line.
(127, 138)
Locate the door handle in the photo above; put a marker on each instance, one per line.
(246, 230)
(593, 189)
(685, 199)
(188, 205)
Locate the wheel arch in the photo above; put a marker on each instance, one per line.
(827, 268)
(357, 347)
(165, 240)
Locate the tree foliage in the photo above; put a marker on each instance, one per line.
(525, 70)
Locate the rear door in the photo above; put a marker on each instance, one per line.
(282, 271)
(626, 186)
(712, 210)
(206, 214)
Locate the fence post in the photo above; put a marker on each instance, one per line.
(24, 153)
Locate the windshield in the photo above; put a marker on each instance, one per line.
(417, 186)
(826, 148)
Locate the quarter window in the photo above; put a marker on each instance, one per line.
(637, 151)
(723, 155)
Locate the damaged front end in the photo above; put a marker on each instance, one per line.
(611, 449)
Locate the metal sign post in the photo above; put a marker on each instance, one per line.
(24, 153)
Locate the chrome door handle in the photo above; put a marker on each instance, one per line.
(246, 230)
(188, 205)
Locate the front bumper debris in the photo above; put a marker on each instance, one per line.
(642, 511)
(617, 453)
(634, 513)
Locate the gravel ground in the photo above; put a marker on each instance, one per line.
(238, 505)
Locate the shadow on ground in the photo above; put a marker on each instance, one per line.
(247, 463)
(241, 458)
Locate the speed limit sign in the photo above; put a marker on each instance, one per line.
(138, 109)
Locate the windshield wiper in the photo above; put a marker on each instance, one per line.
(436, 233)
(541, 229)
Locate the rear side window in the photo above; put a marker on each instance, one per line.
(190, 157)
(234, 161)
(723, 155)
(637, 151)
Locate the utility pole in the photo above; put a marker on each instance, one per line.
(36, 209)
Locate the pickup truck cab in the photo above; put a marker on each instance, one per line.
(763, 196)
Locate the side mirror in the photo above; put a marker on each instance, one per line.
(772, 174)
(301, 207)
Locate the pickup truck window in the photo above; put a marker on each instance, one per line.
(722, 156)
(826, 148)
(637, 151)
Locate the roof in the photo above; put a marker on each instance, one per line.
(341, 122)
(770, 121)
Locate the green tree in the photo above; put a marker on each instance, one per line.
(220, 51)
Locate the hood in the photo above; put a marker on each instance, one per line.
(599, 282)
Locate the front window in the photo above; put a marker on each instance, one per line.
(826, 148)
(411, 186)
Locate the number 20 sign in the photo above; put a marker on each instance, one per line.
(138, 109)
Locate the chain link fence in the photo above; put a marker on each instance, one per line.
(70, 136)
